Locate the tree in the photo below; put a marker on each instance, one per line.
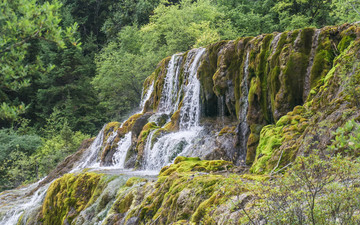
(22, 22)
(125, 62)
(346, 11)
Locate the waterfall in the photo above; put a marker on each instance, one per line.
(221, 109)
(146, 96)
(120, 155)
(314, 45)
(90, 156)
(243, 127)
(167, 147)
(171, 85)
(190, 111)
(22, 205)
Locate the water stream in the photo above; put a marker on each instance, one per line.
(307, 85)
(243, 128)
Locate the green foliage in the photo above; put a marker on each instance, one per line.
(67, 90)
(127, 12)
(294, 14)
(22, 22)
(346, 11)
(316, 190)
(27, 157)
(347, 139)
(55, 149)
(124, 63)
(15, 150)
(186, 25)
(120, 72)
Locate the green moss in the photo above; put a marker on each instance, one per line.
(110, 127)
(134, 180)
(184, 164)
(348, 36)
(227, 130)
(270, 139)
(159, 76)
(202, 209)
(141, 141)
(68, 196)
(128, 124)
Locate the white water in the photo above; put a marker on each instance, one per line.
(244, 105)
(20, 204)
(122, 149)
(90, 156)
(146, 96)
(171, 89)
(190, 110)
(167, 147)
(311, 63)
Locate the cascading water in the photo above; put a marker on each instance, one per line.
(146, 96)
(243, 127)
(167, 147)
(190, 111)
(122, 149)
(90, 156)
(21, 205)
(311, 62)
(171, 86)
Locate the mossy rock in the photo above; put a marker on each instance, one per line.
(68, 196)
(183, 164)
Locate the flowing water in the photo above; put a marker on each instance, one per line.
(243, 128)
(167, 147)
(146, 96)
(17, 203)
(90, 156)
(311, 63)
(190, 111)
(171, 86)
(122, 149)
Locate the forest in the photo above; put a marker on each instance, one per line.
(69, 67)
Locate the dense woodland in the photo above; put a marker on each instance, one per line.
(67, 67)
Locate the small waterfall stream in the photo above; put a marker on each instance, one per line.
(90, 156)
(167, 147)
(243, 127)
(171, 86)
(120, 155)
(311, 63)
(146, 96)
(190, 111)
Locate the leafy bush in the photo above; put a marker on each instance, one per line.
(315, 190)
(347, 139)
(27, 157)
(322, 188)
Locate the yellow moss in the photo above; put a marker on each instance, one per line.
(184, 164)
(110, 127)
(134, 180)
(227, 130)
(67, 196)
(128, 124)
